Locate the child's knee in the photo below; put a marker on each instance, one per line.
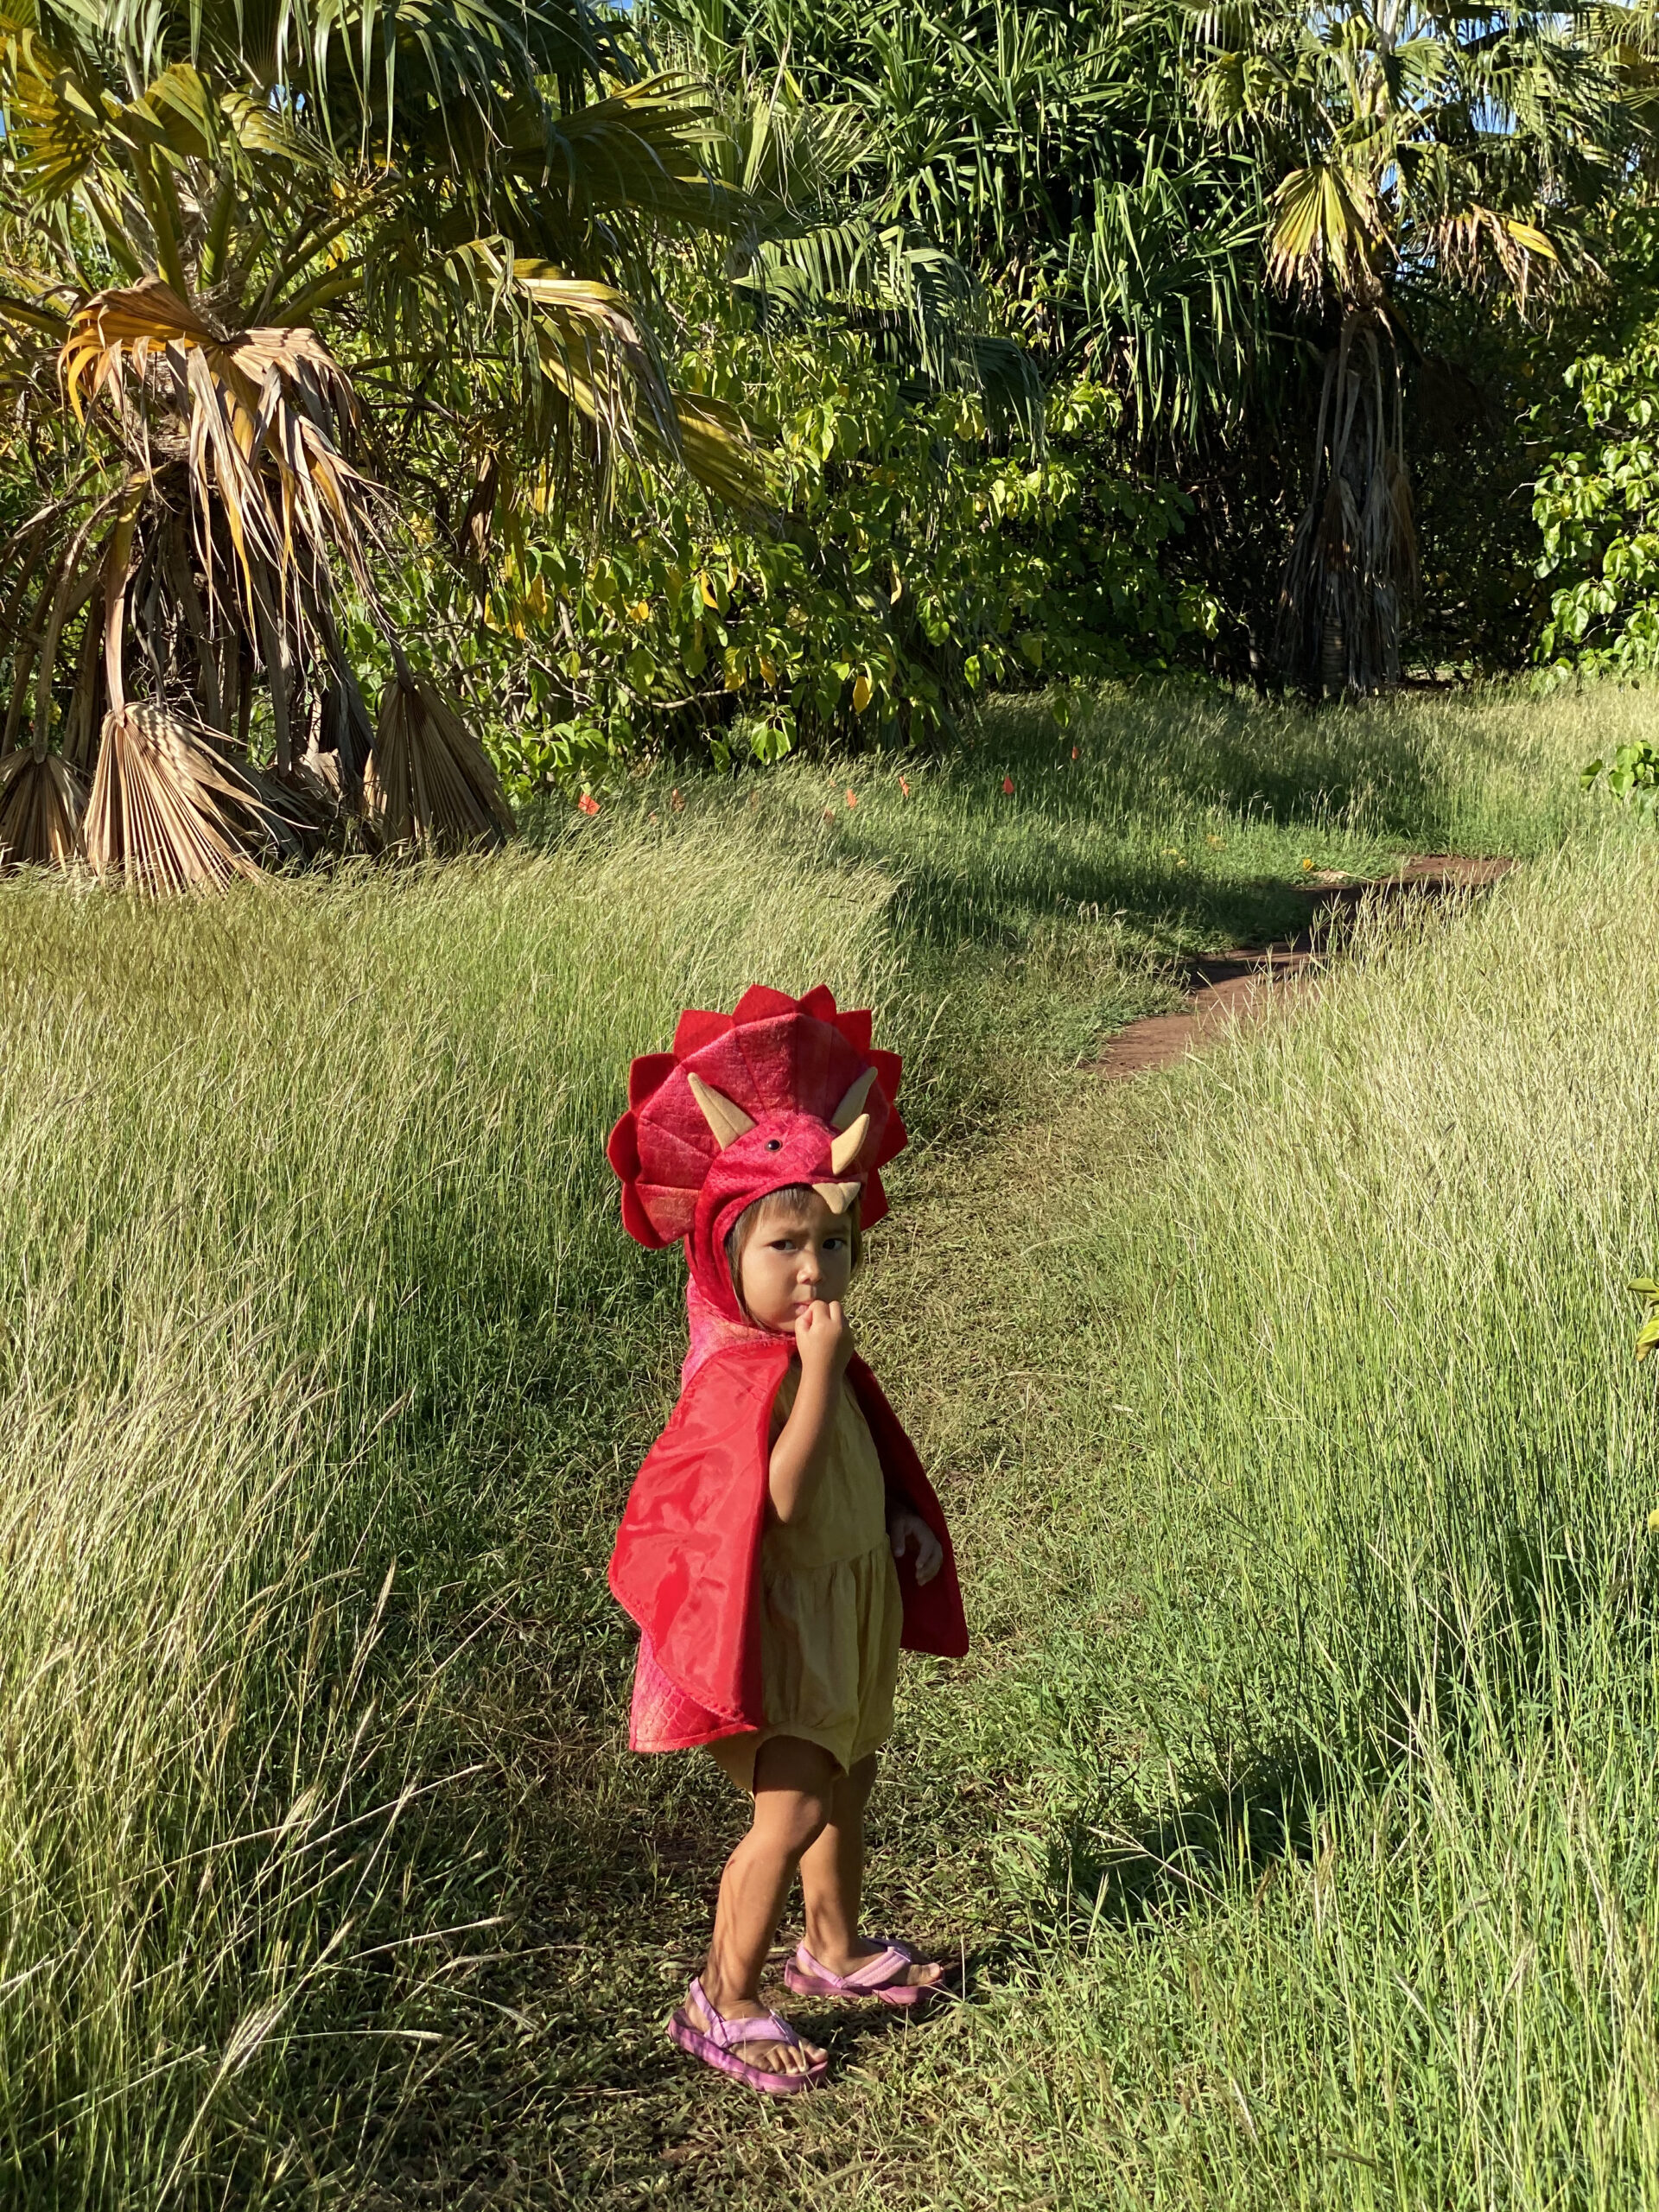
(794, 1819)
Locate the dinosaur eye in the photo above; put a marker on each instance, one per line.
(774, 1144)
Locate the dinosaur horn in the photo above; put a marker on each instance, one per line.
(727, 1121)
(845, 1149)
(838, 1196)
(853, 1104)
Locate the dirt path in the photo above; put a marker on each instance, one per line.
(1245, 984)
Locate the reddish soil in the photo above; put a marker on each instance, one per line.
(1246, 984)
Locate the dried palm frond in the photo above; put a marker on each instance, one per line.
(429, 783)
(168, 812)
(302, 809)
(41, 803)
(265, 414)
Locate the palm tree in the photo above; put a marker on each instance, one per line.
(1050, 147)
(254, 254)
(1402, 143)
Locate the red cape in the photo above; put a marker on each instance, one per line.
(687, 1562)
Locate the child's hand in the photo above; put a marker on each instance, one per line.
(907, 1529)
(825, 1339)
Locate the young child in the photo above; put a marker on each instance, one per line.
(781, 1541)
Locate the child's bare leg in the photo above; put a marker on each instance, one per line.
(792, 1781)
(832, 1881)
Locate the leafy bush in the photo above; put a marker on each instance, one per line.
(916, 561)
(1632, 775)
(1599, 511)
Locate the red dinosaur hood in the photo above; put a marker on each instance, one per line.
(780, 1090)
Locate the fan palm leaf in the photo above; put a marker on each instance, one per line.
(225, 226)
(167, 811)
(41, 803)
(430, 786)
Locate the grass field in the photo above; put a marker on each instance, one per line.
(1292, 1818)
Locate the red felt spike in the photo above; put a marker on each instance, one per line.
(671, 1211)
(820, 1002)
(843, 1069)
(854, 1026)
(637, 1221)
(725, 1065)
(875, 1203)
(816, 1045)
(623, 1150)
(649, 1069)
(888, 1069)
(675, 1153)
(759, 1000)
(697, 1029)
(768, 1050)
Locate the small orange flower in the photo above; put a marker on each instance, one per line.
(904, 786)
(1008, 787)
(588, 803)
(1307, 864)
(852, 798)
(1076, 756)
(677, 802)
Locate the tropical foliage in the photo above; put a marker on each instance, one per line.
(1053, 147)
(675, 378)
(1234, 219)
(1598, 510)
(263, 256)
(915, 570)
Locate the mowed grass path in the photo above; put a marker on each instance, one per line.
(1290, 1817)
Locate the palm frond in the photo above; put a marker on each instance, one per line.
(169, 811)
(430, 786)
(1325, 231)
(41, 804)
(258, 419)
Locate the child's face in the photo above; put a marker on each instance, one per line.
(800, 1252)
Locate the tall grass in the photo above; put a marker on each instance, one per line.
(304, 1247)
(324, 1366)
(1328, 1824)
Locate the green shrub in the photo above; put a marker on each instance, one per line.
(1599, 511)
(914, 566)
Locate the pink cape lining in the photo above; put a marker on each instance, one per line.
(711, 1332)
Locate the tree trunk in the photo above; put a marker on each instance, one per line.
(1352, 568)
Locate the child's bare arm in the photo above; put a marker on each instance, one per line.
(825, 1344)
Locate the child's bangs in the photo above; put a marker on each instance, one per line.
(792, 1203)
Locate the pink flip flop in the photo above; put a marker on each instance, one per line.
(878, 1977)
(718, 2043)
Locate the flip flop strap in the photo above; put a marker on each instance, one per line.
(875, 1973)
(731, 2034)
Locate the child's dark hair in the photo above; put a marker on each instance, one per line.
(792, 1199)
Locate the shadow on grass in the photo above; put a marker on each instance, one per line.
(1118, 1867)
(950, 910)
